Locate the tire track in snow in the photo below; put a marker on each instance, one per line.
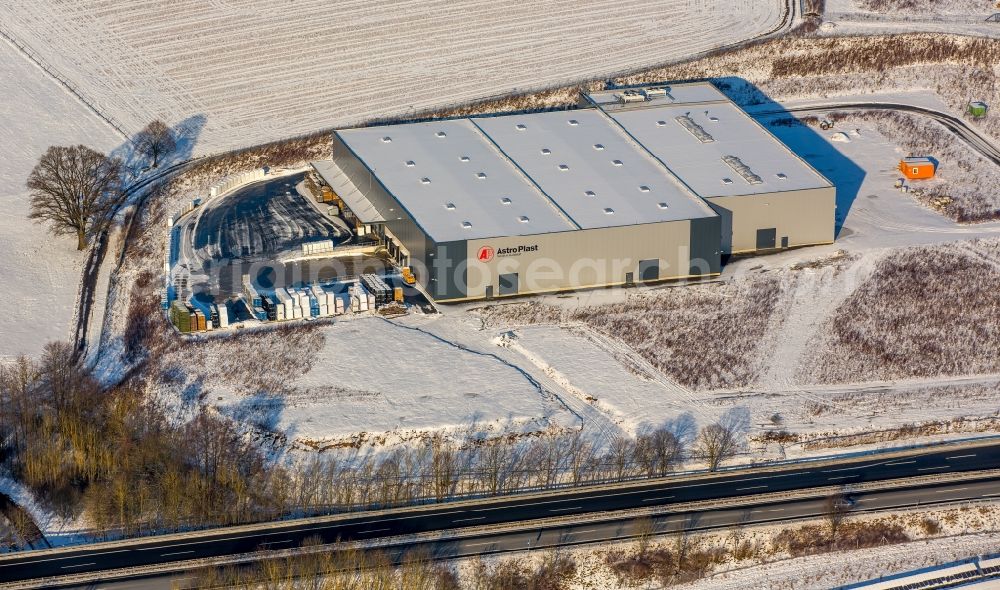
(542, 391)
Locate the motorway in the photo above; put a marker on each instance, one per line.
(602, 531)
(497, 511)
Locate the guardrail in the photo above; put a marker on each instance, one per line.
(945, 575)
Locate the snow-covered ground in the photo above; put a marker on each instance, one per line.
(371, 381)
(853, 17)
(41, 273)
(259, 71)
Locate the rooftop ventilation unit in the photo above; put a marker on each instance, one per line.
(590, 193)
(441, 134)
(464, 158)
(662, 205)
(598, 146)
(386, 139)
(410, 164)
(656, 92)
(505, 200)
(609, 211)
(450, 206)
(523, 219)
(467, 224)
(742, 169)
(694, 129)
(563, 167)
(644, 189)
(574, 122)
(630, 96)
(546, 151)
(481, 175)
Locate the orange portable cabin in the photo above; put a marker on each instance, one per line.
(917, 168)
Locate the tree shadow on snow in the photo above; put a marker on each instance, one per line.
(138, 165)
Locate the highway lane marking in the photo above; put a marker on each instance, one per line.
(198, 542)
(565, 509)
(949, 490)
(933, 468)
(631, 492)
(901, 463)
(66, 567)
(371, 531)
(277, 542)
(849, 468)
(176, 553)
(468, 519)
(563, 500)
(63, 558)
(347, 524)
(697, 485)
(776, 510)
(581, 532)
(655, 499)
(961, 456)
(750, 488)
(842, 477)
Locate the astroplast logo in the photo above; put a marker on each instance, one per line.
(485, 254)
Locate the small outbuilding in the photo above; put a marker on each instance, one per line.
(917, 168)
(978, 109)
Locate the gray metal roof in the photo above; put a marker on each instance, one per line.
(717, 149)
(591, 169)
(683, 93)
(345, 189)
(453, 181)
(640, 162)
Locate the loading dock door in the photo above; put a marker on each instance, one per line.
(766, 238)
(508, 284)
(784, 241)
(649, 270)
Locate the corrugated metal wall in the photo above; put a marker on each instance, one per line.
(805, 217)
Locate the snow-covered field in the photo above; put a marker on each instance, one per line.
(852, 17)
(363, 381)
(259, 71)
(41, 274)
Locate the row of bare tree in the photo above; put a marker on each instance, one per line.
(77, 190)
(114, 456)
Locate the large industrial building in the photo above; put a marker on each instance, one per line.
(636, 185)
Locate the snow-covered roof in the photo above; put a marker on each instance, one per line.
(453, 181)
(712, 145)
(521, 175)
(592, 170)
(345, 189)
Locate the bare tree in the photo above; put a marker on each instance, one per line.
(155, 141)
(836, 508)
(77, 190)
(721, 440)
